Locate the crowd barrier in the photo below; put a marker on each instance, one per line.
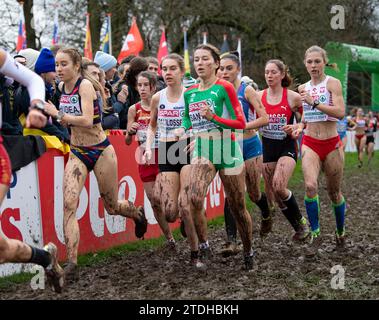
(33, 208)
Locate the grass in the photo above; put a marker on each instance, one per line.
(95, 258)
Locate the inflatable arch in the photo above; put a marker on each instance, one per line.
(358, 59)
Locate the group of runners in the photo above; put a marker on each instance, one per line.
(188, 135)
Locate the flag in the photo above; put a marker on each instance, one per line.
(21, 37)
(225, 45)
(187, 80)
(163, 50)
(205, 37)
(106, 45)
(88, 44)
(133, 43)
(239, 57)
(186, 55)
(55, 39)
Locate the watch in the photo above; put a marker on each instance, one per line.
(316, 102)
(60, 115)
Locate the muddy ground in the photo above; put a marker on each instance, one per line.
(281, 271)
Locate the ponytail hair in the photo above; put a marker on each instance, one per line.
(324, 55)
(287, 81)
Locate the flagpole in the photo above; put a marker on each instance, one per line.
(205, 37)
(110, 32)
(239, 49)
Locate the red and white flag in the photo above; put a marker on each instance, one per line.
(163, 50)
(133, 43)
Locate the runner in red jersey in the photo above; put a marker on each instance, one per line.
(279, 149)
(138, 124)
(321, 148)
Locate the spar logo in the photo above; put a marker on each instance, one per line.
(169, 113)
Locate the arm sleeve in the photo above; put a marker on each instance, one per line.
(237, 120)
(186, 121)
(23, 75)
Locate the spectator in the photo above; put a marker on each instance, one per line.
(154, 67)
(45, 68)
(125, 90)
(109, 119)
(31, 56)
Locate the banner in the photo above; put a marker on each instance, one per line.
(88, 43)
(33, 211)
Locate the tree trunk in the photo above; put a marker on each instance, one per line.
(94, 9)
(119, 10)
(29, 24)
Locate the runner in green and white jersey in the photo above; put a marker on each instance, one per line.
(213, 112)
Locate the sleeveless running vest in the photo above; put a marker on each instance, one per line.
(143, 120)
(70, 103)
(169, 115)
(361, 123)
(279, 115)
(321, 93)
(248, 109)
(223, 102)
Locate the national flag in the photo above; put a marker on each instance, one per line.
(88, 44)
(55, 39)
(106, 45)
(21, 37)
(186, 55)
(239, 57)
(188, 80)
(225, 45)
(133, 43)
(163, 50)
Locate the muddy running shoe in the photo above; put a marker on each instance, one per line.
(170, 245)
(266, 226)
(54, 272)
(196, 263)
(183, 229)
(205, 254)
(230, 249)
(313, 246)
(141, 224)
(340, 240)
(303, 232)
(248, 261)
(71, 272)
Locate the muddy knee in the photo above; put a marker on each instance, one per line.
(197, 202)
(311, 188)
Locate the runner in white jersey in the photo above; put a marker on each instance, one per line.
(167, 107)
(323, 105)
(15, 251)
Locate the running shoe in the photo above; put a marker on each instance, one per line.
(248, 261)
(340, 240)
(266, 226)
(313, 246)
(230, 249)
(303, 232)
(170, 245)
(71, 272)
(54, 272)
(196, 263)
(205, 254)
(140, 223)
(183, 229)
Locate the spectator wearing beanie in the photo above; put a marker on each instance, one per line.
(31, 56)
(106, 62)
(45, 68)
